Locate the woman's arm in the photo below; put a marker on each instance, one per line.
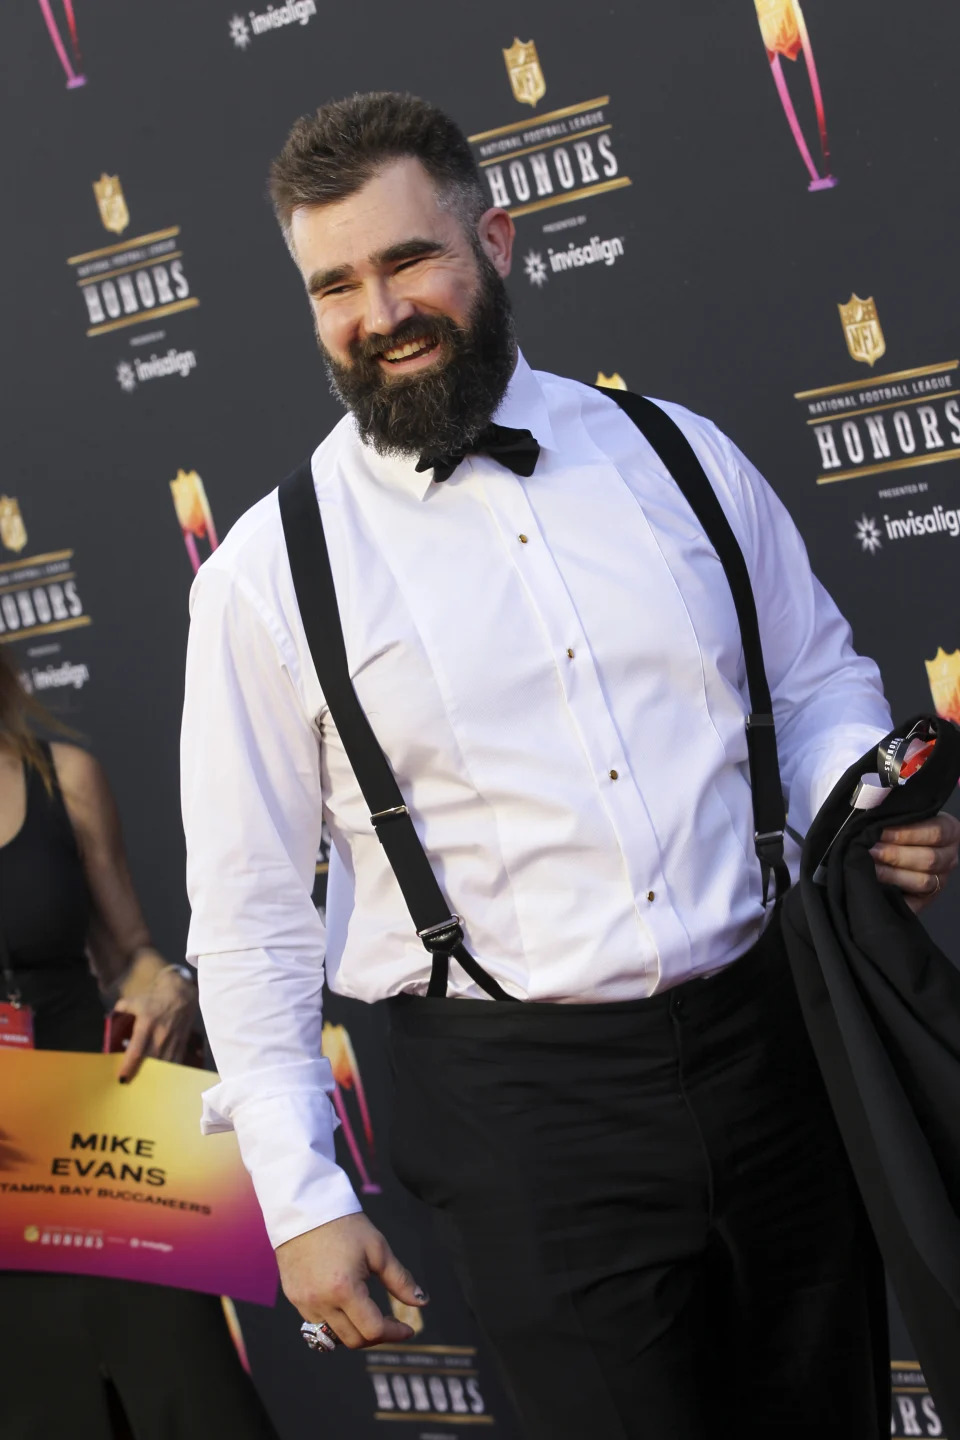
(124, 960)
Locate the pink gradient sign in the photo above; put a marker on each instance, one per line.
(99, 1178)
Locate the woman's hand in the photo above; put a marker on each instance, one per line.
(164, 1007)
(162, 1003)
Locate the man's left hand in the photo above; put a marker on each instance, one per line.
(918, 858)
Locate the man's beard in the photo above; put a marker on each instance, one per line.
(440, 410)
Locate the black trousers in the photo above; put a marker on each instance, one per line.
(649, 1209)
(83, 1357)
(86, 1357)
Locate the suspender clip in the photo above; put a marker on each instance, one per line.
(442, 939)
(755, 721)
(769, 847)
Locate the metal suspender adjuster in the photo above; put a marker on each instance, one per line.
(393, 813)
(767, 803)
(441, 939)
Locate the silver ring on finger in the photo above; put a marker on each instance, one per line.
(937, 878)
(321, 1336)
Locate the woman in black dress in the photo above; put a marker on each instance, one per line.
(86, 1356)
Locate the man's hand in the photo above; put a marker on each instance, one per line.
(324, 1274)
(918, 858)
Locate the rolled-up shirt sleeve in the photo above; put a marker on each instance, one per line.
(252, 812)
(828, 701)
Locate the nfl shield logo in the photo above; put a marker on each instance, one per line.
(523, 67)
(13, 532)
(861, 326)
(113, 207)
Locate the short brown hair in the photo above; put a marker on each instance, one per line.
(334, 152)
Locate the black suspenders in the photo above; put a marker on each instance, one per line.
(769, 810)
(441, 931)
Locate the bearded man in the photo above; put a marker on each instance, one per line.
(602, 1079)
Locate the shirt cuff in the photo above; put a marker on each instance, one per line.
(286, 1141)
(825, 767)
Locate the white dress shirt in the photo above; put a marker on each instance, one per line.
(553, 667)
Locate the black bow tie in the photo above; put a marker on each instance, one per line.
(516, 449)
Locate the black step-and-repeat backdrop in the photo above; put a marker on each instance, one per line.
(748, 207)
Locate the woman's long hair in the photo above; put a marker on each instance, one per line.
(20, 717)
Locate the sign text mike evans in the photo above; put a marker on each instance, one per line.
(114, 1168)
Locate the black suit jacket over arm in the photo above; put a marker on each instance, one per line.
(882, 1006)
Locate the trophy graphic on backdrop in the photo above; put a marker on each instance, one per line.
(73, 72)
(784, 32)
(337, 1048)
(193, 511)
(943, 672)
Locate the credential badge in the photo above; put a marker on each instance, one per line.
(861, 326)
(113, 206)
(523, 67)
(13, 532)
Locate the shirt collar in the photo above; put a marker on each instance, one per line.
(523, 407)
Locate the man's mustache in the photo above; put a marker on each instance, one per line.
(433, 328)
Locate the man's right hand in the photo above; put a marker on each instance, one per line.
(324, 1274)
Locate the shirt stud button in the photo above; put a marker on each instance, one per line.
(569, 653)
(651, 896)
(522, 539)
(614, 774)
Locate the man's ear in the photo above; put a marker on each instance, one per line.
(496, 232)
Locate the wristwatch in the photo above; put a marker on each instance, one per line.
(185, 971)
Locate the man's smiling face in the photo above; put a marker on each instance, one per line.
(389, 254)
(409, 307)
